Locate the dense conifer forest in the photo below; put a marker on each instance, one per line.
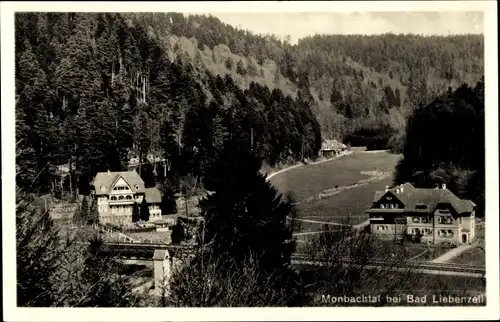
(92, 90)
(214, 104)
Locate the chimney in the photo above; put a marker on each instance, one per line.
(397, 190)
(386, 188)
(401, 188)
(443, 186)
(109, 172)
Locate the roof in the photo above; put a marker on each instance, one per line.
(411, 197)
(407, 188)
(332, 145)
(153, 195)
(108, 179)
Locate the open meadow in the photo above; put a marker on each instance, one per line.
(312, 179)
(338, 191)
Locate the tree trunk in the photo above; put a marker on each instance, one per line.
(140, 160)
(144, 90)
(112, 75)
(186, 203)
(70, 178)
(77, 190)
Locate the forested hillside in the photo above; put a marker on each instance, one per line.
(92, 90)
(445, 143)
(362, 87)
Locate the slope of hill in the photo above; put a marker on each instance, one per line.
(93, 88)
(116, 83)
(358, 83)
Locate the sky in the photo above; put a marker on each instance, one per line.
(299, 25)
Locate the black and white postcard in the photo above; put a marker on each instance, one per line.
(253, 158)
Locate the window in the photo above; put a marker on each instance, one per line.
(392, 206)
(113, 198)
(396, 206)
(129, 197)
(450, 233)
(121, 198)
(415, 219)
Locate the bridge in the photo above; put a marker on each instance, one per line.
(164, 257)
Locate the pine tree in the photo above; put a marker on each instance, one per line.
(81, 216)
(252, 68)
(240, 69)
(144, 210)
(245, 236)
(100, 278)
(93, 213)
(229, 63)
(168, 204)
(136, 215)
(245, 203)
(37, 251)
(177, 232)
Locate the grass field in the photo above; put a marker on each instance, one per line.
(309, 180)
(348, 205)
(474, 256)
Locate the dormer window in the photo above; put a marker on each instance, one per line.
(103, 188)
(136, 187)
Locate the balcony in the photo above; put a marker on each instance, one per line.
(121, 202)
(385, 210)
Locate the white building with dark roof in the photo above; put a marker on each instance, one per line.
(436, 216)
(117, 192)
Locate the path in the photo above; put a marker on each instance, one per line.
(321, 222)
(312, 163)
(454, 252)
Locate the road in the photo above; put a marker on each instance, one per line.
(454, 253)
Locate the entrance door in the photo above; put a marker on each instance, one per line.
(464, 238)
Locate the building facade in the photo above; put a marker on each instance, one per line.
(118, 192)
(433, 216)
(331, 148)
